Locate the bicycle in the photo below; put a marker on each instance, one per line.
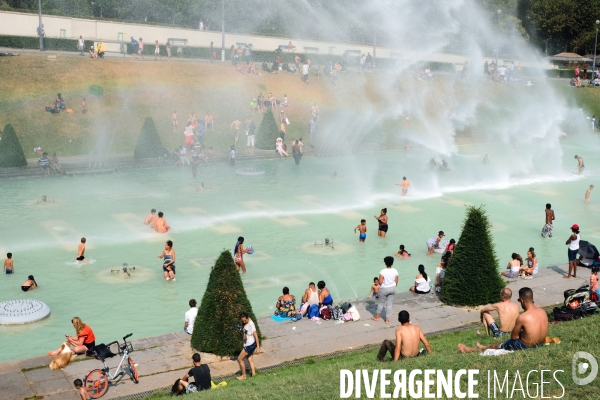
(97, 381)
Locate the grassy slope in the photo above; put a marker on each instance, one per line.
(134, 90)
(321, 379)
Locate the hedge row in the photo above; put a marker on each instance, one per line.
(28, 42)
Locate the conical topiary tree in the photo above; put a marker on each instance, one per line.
(11, 152)
(224, 299)
(268, 132)
(148, 144)
(472, 276)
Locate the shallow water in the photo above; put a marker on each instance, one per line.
(282, 214)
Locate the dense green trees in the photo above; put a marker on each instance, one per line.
(472, 276)
(215, 328)
(567, 25)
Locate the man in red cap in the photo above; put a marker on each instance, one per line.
(573, 243)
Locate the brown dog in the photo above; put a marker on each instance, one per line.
(63, 358)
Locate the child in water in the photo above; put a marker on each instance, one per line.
(375, 288)
(8, 264)
(362, 228)
(402, 252)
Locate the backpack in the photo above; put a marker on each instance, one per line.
(313, 311)
(345, 307)
(326, 313)
(563, 314)
(337, 314)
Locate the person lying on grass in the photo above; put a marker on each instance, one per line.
(529, 332)
(408, 337)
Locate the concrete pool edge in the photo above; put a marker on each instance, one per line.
(166, 357)
(77, 165)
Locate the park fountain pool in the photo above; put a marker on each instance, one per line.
(289, 208)
(282, 213)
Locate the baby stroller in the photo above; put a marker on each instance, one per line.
(577, 304)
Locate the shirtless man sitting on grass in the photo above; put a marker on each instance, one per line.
(408, 337)
(530, 328)
(507, 313)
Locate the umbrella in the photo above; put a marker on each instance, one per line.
(587, 250)
(569, 57)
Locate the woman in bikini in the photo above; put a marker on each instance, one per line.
(29, 284)
(383, 222)
(239, 255)
(168, 256)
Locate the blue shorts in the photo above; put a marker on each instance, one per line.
(515, 344)
(250, 349)
(362, 236)
(9, 271)
(572, 255)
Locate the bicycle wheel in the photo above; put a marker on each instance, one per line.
(133, 370)
(96, 382)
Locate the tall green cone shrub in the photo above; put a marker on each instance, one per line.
(472, 276)
(148, 144)
(11, 152)
(268, 132)
(223, 301)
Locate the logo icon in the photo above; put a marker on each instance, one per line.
(579, 368)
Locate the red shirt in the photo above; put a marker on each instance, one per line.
(87, 334)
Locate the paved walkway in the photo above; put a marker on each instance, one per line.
(165, 358)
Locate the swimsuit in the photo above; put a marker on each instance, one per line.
(547, 230)
(383, 227)
(9, 271)
(25, 288)
(496, 331)
(362, 236)
(168, 258)
(328, 300)
(238, 255)
(516, 344)
(80, 258)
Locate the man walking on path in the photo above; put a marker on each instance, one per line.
(305, 70)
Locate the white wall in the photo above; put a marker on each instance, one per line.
(23, 24)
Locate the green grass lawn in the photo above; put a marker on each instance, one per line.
(121, 93)
(321, 379)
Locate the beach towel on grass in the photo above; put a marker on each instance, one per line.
(495, 352)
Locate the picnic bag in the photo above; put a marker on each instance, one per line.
(354, 312)
(337, 314)
(313, 311)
